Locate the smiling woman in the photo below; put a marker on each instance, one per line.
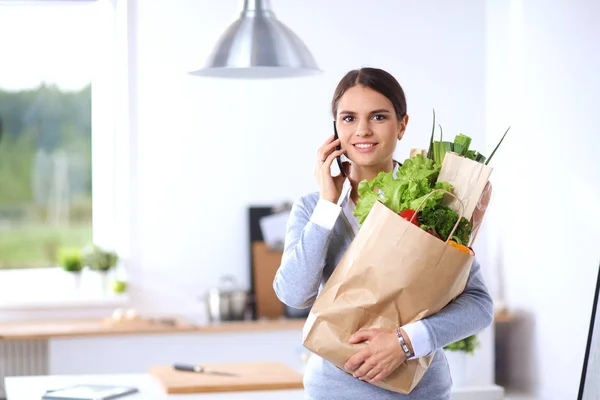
(369, 108)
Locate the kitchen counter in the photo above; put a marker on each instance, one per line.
(48, 329)
(26, 388)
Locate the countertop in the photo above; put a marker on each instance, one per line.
(47, 329)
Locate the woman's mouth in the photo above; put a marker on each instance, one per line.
(365, 147)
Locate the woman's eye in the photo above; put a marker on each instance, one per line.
(348, 118)
(379, 117)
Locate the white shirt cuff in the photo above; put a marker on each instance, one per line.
(325, 214)
(419, 338)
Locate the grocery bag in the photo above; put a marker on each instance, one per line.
(468, 179)
(393, 273)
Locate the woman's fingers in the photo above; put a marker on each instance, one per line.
(377, 370)
(379, 377)
(479, 212)
(329, 160)
(326, 149)
(370, 365)
(329, 140)
(329, 188)
(326, 144)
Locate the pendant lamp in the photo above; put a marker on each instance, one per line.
(258, 46)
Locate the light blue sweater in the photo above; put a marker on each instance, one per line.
(312, 250)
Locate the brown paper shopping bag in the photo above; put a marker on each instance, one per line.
(468, 179)
(393, 273)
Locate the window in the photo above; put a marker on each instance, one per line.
(64, 134)
(45, 131)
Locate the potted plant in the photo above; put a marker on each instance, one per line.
(100, 260)
(71, 261)
(457, 354)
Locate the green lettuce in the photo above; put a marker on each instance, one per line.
(367, 196)
(416, 178)
(433, 200)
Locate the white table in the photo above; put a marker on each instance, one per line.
(32, 387)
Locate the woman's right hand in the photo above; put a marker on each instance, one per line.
(330, 187)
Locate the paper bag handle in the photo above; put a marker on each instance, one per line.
(462, 209)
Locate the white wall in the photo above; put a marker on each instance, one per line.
(207, 149)
(542, 63)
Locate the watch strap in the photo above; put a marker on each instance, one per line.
(404, 345)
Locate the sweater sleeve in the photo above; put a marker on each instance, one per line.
(469, 313)
(308, 235)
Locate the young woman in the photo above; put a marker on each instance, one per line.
(369, 107)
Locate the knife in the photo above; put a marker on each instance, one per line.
(201, 369)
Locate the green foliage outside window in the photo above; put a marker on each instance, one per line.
(45, 174)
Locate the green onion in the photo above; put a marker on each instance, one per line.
(496, 148)
(459, 149)
(440, 149)
(461, 144)
(436, 152)
(430, 151)
(479, 157)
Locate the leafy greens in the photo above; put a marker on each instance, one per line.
(415, 179)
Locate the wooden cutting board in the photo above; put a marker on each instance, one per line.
(251, 376)
(264, 267)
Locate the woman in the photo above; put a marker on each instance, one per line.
(369, 108)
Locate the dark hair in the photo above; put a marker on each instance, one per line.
(374, 78)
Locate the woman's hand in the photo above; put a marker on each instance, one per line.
(379, 358)
(479, 211)
(329, 187)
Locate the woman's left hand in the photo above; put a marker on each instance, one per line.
(379, 358)
(479, 211)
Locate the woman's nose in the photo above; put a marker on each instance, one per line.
(363, 128)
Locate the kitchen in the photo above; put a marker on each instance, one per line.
(177, 235)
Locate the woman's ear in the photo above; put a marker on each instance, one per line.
(402, 128)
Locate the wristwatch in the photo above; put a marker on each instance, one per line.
(404, 346)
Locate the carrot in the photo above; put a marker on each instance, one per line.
(460, 247)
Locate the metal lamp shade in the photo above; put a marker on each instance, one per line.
(257, 45)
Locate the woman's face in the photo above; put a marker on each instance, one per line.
(368, 127)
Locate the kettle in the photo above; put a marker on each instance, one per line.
(226, 302)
